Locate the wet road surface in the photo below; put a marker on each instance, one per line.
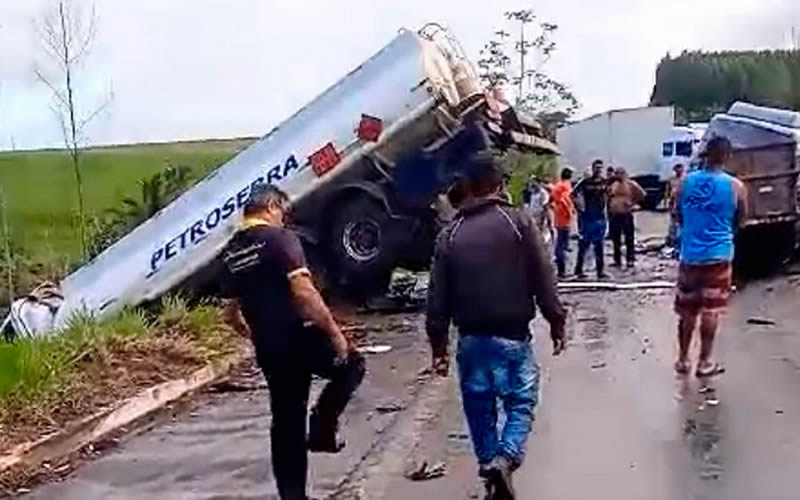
(218, 449)
(614, 421)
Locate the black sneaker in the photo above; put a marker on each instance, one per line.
(499, 485)
(323, 438)
(603, 276)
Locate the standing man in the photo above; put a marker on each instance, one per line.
(591, 198)
(623, 195)
(294, 335)
(538, 206)
(611, 174)
(563, 209)
(711, 205)
(490, 269)
(674, 231)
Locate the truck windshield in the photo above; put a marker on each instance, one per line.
(683, 148)
(667, 149)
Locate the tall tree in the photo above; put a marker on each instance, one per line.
(66, 33)
(535, 91)
(700, 84)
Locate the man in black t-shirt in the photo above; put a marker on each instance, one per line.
(591, 197)
(294, 334)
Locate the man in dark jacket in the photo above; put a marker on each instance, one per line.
(294, 335)
(490, 268)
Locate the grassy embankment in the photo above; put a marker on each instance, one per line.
(47, 383)
(41, 202)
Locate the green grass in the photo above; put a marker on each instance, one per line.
(49, 381)
(39, 187)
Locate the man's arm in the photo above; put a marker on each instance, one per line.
(288, 254)
(677, 210)
(639, 194)
(312, 308)
(543, 281)
(233, 316)
(438, 314)
(742, 208)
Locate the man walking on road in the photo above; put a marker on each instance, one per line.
(591, 197)
(711, 204)
(489, 266)
(623, 195)
(294, 335)
(563, 209)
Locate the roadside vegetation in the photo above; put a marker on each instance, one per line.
(43, 237)
(521, 167)
(49, 382)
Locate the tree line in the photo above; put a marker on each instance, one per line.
(700, 84)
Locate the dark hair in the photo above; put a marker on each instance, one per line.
(484, 175)
(566, 174)
(597, 162)
(262, 197)
(718, 146)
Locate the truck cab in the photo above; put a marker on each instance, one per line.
(679, 147)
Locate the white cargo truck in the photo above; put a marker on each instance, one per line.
(363, 164)
(645, 141)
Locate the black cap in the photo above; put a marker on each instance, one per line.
(483, 164)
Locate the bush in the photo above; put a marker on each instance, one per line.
(520, 167)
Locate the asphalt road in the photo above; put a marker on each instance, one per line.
(614, 422)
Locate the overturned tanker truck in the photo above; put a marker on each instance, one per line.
(364, 165)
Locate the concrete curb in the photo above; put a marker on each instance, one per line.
(75, 436)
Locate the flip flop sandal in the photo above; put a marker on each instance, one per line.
(682, 367)
(714, 368)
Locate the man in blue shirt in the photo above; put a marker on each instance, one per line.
(711, 205)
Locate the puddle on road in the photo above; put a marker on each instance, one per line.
(702, 433)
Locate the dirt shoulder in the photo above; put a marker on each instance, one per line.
(52, 384)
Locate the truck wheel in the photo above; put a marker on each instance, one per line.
(362, 243)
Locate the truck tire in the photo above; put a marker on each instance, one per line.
(362, 245)
(750, 260)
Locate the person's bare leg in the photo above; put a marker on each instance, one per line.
(709, 322)
(686, 325)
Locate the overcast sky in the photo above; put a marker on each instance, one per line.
(186, 69)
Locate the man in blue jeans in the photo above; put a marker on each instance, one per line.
(490, 269)
(591, 198)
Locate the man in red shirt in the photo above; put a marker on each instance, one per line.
(563, 210)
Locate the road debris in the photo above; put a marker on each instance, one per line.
(584, 286)
(755, 320)
(389, 408)
(459, 436)
(779, 411)
(712, 402)
(426, 472)
(706, 389)
(598, 365)
(375, 349)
